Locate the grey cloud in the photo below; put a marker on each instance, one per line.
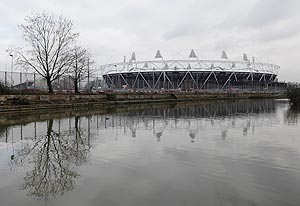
(177, 32)
(112, 29)
(191, 27)
(261, 14)
(279, 32)
(268, 12)
(228, 43)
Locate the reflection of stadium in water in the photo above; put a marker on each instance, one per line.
(191, 117)
(194, 118)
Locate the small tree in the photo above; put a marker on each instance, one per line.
(80, 69)
(293, 93)
(49, 40)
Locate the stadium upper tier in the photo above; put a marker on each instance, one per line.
(190, 65)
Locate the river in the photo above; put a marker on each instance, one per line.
(244, 152)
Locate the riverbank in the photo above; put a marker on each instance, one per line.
(23, 103)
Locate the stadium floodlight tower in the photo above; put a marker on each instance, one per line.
(191, 73)
(157, 57)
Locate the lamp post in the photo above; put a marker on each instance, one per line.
(12, 69)
(88, 73)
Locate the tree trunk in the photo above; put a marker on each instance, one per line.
(49, 84)
(49, 128)
(76, 89)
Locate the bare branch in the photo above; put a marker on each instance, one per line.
(50, 43)
(80, 66)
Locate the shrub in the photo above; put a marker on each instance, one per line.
(293, 93)
(3, 89)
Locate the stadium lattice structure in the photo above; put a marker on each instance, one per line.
(192, 74)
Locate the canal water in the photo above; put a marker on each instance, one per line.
(206, 153)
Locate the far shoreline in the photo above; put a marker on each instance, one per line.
(34, 102)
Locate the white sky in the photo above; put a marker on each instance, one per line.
(266, 29)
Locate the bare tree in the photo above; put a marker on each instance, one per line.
(49, 40)
(80, 69)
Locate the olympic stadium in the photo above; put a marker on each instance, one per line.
(192, 74)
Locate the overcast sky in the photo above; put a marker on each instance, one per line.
(266, 29)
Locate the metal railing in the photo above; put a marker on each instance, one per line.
(34, 81)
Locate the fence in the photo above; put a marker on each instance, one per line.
(34, 81)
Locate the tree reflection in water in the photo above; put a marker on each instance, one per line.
(55, 157)
(293, 115)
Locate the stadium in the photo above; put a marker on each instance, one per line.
(192, 74)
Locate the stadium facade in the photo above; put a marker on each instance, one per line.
(192, 74)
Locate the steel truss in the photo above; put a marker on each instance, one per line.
(188, 74)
